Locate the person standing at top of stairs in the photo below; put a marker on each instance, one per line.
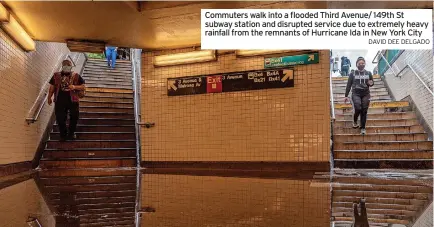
(111, 54)
(359, 82)
(64, 86)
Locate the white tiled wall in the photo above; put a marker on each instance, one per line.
(20, 201)
(408, 83)
(21, 77)
(426, 219)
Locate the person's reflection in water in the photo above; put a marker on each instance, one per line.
(360, 220)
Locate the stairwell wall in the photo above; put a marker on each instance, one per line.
(407, 84)
(426, 219)
(289, 124)
(22, 75)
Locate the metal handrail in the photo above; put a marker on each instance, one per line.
(135, 68)
(35, 118)
(405, 67)
(332, 101)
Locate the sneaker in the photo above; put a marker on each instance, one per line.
(72, 137)
(355, 125)
(363, 131)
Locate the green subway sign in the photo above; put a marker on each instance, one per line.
(303, 59)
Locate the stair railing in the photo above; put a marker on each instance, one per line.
(41, 99)
(407, 66)
(135, 56)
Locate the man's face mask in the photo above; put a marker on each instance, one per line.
(361, 66)
(66, 68)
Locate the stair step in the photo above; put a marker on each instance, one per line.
(109, 86)
(352, 198)
(385, 145)
(115, 115)
(95, 60)
(378, 206)
(99, 136)
(88, 173)
(105, 121)
(90, 187)
(373, 95)
(383, 154)
(122, 223)
(88, 163)
(97, 83)
(380, 122)
(344, 82)
(340, 78)
(373, 99)
(106, 68)
(376, 83)
(91, 144)
(339, 89)
(107, 73)
(110, 90)
(109, 95)
(101, 128)
(380, 137)
(109, 79)
(108, 99)
(93, 109)
(382, 129)
(392, 115)
(341, 92)
(406, 213)
(85, 103)
(96, 200)
(353, 188)
(375, 105)
(101, 153)
(384, 163)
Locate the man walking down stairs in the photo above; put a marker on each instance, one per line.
(106, 128)
(394, 139)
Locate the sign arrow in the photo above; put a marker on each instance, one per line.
(287, 74)
(311, 57)
(171, 84)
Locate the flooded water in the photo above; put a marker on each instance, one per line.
(120, 197)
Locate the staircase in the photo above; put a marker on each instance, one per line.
(391, 198)
(106, 128)
(395, 138)
(91, 197)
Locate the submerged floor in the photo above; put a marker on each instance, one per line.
(116, 197)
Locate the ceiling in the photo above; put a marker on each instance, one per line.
(147, 25)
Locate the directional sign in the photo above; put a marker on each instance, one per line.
(303, 59)
(237, 81)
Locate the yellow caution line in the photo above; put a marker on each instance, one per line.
(375, 105)
(346, 78)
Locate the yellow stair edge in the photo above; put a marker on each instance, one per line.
(375, 105)
(346, 78)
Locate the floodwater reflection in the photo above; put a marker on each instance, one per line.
(107, 197)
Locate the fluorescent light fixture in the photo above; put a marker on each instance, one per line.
(257, 52)
(17, 33)
(4, 14)
(185, 58)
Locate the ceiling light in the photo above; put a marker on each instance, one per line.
(258, 52)
(18, 34)
(185, 58)
(4, 14)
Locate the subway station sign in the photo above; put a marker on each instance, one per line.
(230, 82)
(303, 59)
